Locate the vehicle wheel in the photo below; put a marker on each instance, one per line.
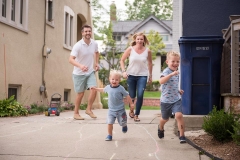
(49, 112)
(58, 113)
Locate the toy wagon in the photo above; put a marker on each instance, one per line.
(54, 105)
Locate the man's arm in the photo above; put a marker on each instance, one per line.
(96, 61)
(73, 62)
(97, 89)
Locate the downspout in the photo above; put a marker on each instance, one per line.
(43, 86)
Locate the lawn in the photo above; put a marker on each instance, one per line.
(152, 94)
(146, 108)
(147, 94)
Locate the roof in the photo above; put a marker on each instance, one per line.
(124, 26)
(131, 26)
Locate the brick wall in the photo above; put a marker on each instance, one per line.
(149, 102)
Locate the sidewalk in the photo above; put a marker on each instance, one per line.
(62, 138)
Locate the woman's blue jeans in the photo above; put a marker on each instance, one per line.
(136, 86)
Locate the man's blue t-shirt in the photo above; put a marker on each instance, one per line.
(170, 91)
(115, 97)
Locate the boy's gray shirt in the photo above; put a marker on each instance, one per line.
(170, 91)
(115, 97)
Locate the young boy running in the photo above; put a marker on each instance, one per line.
(171, 95)
(116, 92)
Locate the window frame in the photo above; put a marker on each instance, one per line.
(18, 90)
(66, 95)
(165, 35)
(50, 12)
(68, 28)
(20, 12)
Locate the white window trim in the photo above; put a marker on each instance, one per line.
(16, 23)
(51, 23)
(69, 31)
(167, 37)
(19, 90)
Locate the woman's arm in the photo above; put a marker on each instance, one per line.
(123, 58)
(150, 65)
(129, 99)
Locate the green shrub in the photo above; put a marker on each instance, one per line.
(10, 107)
(35, 108)
(154, 86)
(236, 131)
(104, 101)
(124, 83)
(67, 106)
(83, 106)
(33, 111)
(219, 124)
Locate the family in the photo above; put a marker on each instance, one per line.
(85, 58)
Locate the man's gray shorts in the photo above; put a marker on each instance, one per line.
(83, 82)
(168, 108)
(120, 115)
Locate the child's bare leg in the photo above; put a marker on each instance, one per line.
(162, 123)
(180, 122)
(110, 129)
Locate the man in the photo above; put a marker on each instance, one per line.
(83, 57)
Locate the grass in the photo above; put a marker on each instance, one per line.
(146, 108)
(147, 94)
(151, 94)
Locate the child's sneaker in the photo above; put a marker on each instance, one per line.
(160, 133)
(182, 139)
(124, 129)
(108, 138)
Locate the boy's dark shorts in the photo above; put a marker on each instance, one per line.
(168, 108)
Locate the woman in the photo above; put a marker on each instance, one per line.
(138, 71)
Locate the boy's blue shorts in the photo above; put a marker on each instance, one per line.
(120, 115)
(168, 108)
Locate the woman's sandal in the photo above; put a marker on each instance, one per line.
(136, 119)
(131, 113)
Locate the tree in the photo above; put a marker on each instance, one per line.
(98, 13)
(141, 9)
(156, 45)
(111, 55)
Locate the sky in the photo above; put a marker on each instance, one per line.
(119, 3)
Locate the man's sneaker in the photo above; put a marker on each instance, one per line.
(182, 139)
(108, 138)
(124, 129)
(160, 133)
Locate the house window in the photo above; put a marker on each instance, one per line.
(50, 12)
(68, 27)
(117, 37)
(13, 10)
(13, 91)
(164, 38)
(21, 11)
(4, 7)
(15, 13)
(66, 95)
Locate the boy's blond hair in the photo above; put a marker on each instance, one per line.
(115, 72)
(173, 53)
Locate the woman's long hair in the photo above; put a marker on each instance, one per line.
(133, 43)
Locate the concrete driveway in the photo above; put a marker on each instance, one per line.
(61, 137)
